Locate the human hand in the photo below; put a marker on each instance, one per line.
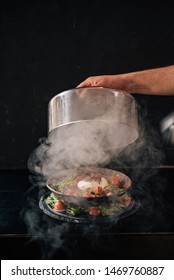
(157, 81)
(107, 81)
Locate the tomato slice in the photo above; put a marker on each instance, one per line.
(115, 180)
(59, 205)
(94, 211)
(126, 200)
(90, 195)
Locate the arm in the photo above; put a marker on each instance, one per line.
(157, 81)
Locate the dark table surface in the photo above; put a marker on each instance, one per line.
(26, 232)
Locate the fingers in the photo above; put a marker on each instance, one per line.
(84, 84)
(89, 82)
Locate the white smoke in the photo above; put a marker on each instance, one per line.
(90, 144)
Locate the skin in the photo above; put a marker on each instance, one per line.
(157, 81)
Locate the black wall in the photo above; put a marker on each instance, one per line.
(51, 46)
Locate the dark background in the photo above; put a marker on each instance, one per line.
(50, 46)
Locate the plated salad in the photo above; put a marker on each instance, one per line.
(90, 184)
(57, 204)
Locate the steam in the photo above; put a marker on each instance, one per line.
(88, 145)
(79, 144)
(82, 144)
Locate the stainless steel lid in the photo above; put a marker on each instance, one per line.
(94, 110)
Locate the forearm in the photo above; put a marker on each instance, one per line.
(159, 81)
